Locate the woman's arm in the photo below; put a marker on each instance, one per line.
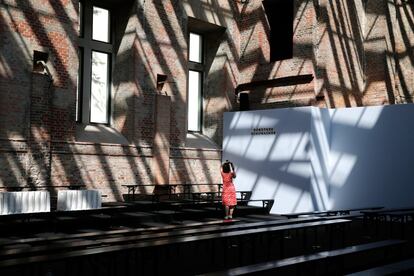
(232, 170)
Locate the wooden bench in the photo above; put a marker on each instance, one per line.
(273, 267)
(94, 234)
(399, 218)
(348, 211)
(157, 190)
(190, 187)
(330, 212)
(266, 204)
(378, 216)
(167, 190)
(296, 215)
(242, 195)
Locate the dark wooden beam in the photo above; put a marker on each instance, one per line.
(285, 81)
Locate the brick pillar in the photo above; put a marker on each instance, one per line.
(161, 156)
(39, 156)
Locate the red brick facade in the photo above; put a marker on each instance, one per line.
(359, 52)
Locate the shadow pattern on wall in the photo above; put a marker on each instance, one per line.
(322, 159)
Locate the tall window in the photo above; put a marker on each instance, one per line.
(95, 55)
(279, 15)
(195, 81)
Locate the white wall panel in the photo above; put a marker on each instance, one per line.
(271, 166)
(323, 159)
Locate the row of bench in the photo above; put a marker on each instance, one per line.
(170, 195)
(334, 212)
(158, 193)
(326, 262)
(122, 214)
(330, 262)
(190, 249)
(194, 196)
(56, 248)
(372, 215)
(391, 216)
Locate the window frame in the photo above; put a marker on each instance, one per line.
(197, 67)
(108, 92)
(200, 101)
(280, 29)
(87, 45)
(201, 46)
(110, 35)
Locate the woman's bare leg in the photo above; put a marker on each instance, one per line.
(231, 209)
(227, 210)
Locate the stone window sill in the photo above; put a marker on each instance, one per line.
(99, 134)
(198, 140)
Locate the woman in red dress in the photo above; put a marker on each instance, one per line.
(229, 192)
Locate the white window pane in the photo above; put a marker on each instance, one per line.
(99, 88)
(80, 25)
(195, 48)
(194, 100)
(100, 30)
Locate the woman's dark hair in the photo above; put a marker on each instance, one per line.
(226, 167)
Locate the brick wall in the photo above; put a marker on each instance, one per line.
(359, 52)
(195, 166)
(351, 48)
(101, 166)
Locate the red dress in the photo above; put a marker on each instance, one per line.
(229, 192)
